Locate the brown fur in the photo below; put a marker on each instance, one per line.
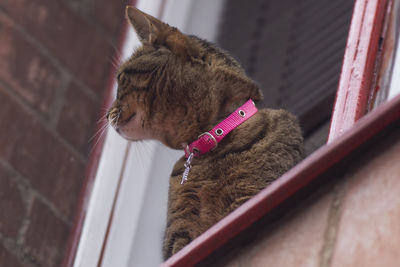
(179, 86)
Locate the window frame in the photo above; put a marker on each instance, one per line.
(359, 65)
(92, 166)
(350, 128)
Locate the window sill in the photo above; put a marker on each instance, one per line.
(307, 171)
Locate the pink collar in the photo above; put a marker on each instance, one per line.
(209, 140)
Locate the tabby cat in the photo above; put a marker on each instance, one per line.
(175, 87)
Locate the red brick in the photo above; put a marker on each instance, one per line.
(79, 46)
(11, 132)
(111, 15)
(7, 259)
(25, 69)
(36, 154)
(12, 206)
(46, 236)
(50, 167)
(369, 232)
(78, 118)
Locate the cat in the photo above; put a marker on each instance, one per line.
(174, 88)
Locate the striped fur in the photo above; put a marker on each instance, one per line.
(176, 87)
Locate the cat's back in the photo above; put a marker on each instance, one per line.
(283, 140)
(282, 128)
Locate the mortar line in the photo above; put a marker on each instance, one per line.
(332, 226)
(52, 58)
(59, 102)
(88, 17)
(17, 251)
(8, 91)
(26, 185)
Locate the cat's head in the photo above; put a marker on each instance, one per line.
(175, 86)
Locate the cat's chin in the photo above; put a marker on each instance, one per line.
(132, 130)
(132, 135)
(133, 140)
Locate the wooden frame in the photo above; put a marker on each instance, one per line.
(359, 62)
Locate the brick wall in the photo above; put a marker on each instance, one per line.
(353, 219)
(55, 60)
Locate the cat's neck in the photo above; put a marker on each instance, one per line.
(242, 136)
(209, 140)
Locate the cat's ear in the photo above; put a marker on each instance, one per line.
(156, 32)
(147, 27)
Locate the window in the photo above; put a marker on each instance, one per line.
(108, 221)
(365, 42)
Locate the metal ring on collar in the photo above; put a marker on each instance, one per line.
(210, 137)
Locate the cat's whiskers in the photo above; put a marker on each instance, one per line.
(146, 148)
(138, 153)
(103, 121)
(115, 61)
(117, 53)
(99, 133)
(100, 137)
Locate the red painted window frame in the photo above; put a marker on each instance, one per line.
(349, 130)
(358, 69)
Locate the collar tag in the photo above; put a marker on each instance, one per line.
(188, 166)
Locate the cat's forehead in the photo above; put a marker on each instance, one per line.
(143, 58)
(142, 50)
(148, 57)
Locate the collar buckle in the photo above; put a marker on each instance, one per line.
(210, 137)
